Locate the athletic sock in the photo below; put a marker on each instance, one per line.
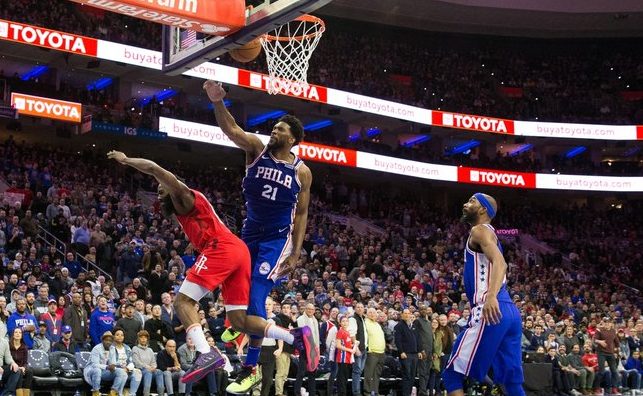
(279, 333)
(253, 356)
(196, 333)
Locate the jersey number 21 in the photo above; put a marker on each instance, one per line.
(269, 192)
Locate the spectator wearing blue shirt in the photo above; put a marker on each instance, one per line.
(129, 263)
(81, 238)
(101, 320)
(634, 362)
(188, 257)
(72, 265)
(23, 320)
(633, 369)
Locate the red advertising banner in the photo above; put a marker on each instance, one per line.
(493, 177)
(328, 154)
(314, 93)
(473, 122)
(205, 16)
(46, 38)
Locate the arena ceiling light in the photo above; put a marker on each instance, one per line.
(416, 140)
(373, 132)
(34, 73)
(99, 84)
(261, 118)
(315, 126)
(521, 149)
(462, 148)
(354, 137)
(575, 151)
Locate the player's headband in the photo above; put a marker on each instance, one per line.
(485, 203)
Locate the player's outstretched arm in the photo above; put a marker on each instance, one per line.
(482, 236)
(245, 141)
(182, 197)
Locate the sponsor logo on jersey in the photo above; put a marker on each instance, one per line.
(264, 268)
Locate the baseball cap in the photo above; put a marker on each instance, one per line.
(52, 301)
(41, 323)
(107, 334)
(66, 329)
(21, 282)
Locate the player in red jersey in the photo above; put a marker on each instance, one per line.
(224, 261)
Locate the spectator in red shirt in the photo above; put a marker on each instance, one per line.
(344, 351)
(590, 361)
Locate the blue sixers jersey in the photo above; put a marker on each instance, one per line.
(271, 189)
(477, 271)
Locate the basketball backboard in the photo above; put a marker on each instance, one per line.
(185, 49)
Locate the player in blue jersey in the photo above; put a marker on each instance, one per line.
(493, 334)
(277, 191)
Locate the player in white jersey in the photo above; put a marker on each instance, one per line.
(492, 338)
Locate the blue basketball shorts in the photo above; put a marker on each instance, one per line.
(266, 257)
(482, 346)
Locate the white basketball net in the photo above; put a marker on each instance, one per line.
(288, 49)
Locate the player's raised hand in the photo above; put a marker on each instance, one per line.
(491, 310)
(117, 156)
(214, 90)
(287, 266)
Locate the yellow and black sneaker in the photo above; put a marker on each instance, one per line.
(230, 335)
(248, 378)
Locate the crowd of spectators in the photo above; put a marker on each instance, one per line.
(409, 271)
(565, 81)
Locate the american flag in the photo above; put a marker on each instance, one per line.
(188, 39)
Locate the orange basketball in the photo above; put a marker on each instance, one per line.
(248, 52)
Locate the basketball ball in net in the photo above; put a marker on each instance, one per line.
(248, 52)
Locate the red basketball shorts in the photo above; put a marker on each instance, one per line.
(225, 264)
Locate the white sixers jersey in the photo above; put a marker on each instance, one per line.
(477, 273)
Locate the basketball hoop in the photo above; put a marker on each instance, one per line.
(288, 49)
